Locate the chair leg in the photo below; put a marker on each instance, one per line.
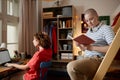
(43, 74)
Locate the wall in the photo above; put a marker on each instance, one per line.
(116, 11)
(103, 7)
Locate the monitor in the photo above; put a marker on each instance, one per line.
(4, 57)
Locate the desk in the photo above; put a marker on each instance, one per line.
(6, 71)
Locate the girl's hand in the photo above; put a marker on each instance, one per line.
(9, 64)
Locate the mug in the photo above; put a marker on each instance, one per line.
(64, 46)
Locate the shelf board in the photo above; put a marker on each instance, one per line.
(65, 50)
(62, 60)
(56, 17)
(66, 28)
(52, 18)
(66, 17)
(65, 39)
(57, 7)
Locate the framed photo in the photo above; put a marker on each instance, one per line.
(105, 19)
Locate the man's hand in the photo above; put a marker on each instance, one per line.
(84, 47)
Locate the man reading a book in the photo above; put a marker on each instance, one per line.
(86, 67)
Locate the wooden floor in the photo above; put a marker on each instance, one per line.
(64, 76)
(113, 76)
(57, 78)
(67, 78)
(57, 75)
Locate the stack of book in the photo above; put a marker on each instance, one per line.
(66, 56)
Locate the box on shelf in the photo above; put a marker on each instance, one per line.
(47, 14)
(67, 11)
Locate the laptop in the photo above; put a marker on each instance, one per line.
(5, 57)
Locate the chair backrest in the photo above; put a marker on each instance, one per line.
(110, 55)
(44, 69)
(45, 64)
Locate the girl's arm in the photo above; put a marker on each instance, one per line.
(22, 67)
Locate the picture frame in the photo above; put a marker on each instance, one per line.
(105, 19)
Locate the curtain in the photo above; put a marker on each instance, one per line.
(27, 26)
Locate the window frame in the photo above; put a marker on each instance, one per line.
(6, 18)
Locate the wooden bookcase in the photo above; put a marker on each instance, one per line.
(62, 18)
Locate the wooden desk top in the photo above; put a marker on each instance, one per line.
(4, 69)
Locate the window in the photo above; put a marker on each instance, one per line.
(12, 7)
(12, 26)
(12, 38)
(9, 23)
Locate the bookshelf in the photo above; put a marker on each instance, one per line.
(62, 18)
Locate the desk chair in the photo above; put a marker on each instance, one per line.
(44, 69)
(105, 65)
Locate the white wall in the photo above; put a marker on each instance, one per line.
(116, 11)
(103, 7)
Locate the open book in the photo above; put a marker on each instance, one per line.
(83, 39)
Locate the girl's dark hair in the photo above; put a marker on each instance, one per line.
(44, 39)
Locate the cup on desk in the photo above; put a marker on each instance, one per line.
(3, 45)
(64, 46)
(23, 55)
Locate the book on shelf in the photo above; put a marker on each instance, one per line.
(68, 23)
(65, 24)
(60, 24)
(83, 39)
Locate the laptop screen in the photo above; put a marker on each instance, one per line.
(4, 57)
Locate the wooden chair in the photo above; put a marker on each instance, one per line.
(107, 64)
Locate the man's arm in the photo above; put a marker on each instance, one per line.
(102, 49)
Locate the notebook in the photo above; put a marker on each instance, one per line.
(5, 57)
